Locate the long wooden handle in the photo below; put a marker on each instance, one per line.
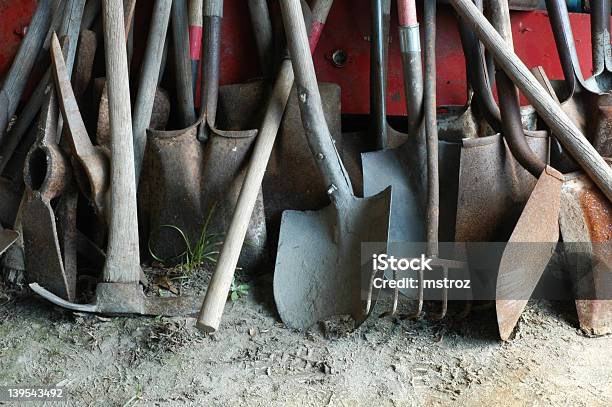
(123, 254)
(216, 295)
(566, 131)
(151, 65)
(431, 130)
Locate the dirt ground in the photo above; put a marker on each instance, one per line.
(254, 361)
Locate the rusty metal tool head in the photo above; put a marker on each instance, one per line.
(536, 234)
(398, 162)
(47, 176)
(92, 163)
(586, 227)
(318, 265)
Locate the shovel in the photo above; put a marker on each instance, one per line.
(586, 227)
(262, 26)
(120, 292)
(565, 130)
(536, 234)
(216, 295)
(318, 261)
(398, 163)
(292, 179)
(205, 181)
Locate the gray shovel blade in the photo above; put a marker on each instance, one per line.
(318, 264)
(7, 238)
(385, 168)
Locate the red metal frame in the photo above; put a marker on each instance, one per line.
(348, 29)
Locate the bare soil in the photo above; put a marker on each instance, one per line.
(253, 360)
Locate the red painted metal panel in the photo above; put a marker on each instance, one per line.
(15, 15)
(348, 29)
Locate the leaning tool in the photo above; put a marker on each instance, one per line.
(586, 228)
(292, 179)
(536, 234)
(120, 291)
(216, 295)
(561, 125)
(318, 265)
(191, 185)
(91, 162)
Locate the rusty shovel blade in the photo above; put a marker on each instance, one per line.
(586, 227)
(528, 251)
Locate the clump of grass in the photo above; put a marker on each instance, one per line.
(205, 250)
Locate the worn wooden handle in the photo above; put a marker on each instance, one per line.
(123, 254)
(216, 295)
(149, 76)
(569, 135)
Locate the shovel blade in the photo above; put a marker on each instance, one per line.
(528, 251)
(318, 264)
(586, 219)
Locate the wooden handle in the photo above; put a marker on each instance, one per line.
(216, 295)
(151, 65)
(123, 254)
(182, 60)
(431, 130)
(569, 135)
